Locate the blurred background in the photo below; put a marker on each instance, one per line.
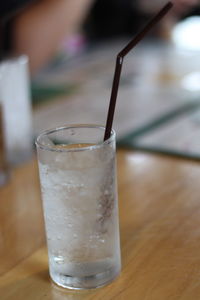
(57, 65)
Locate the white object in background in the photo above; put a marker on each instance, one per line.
(185, 34)
(191, 82)
(17, 113)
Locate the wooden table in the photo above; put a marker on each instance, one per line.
(159, 199)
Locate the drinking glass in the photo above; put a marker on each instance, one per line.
(79, 191)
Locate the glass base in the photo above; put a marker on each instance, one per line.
(85, 282)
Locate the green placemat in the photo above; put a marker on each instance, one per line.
(174, 133)
(42, 92)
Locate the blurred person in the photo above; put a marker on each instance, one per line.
(36, 28)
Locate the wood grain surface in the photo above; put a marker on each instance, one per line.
(159, 201)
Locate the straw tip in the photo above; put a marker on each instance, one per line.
(170, 4)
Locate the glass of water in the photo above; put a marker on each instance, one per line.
(79, 191)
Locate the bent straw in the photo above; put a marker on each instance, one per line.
(119, 62)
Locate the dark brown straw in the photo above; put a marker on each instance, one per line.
(119, 62)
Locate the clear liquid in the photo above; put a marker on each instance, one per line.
(81, 219)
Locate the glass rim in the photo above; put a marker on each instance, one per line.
(75, 149)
